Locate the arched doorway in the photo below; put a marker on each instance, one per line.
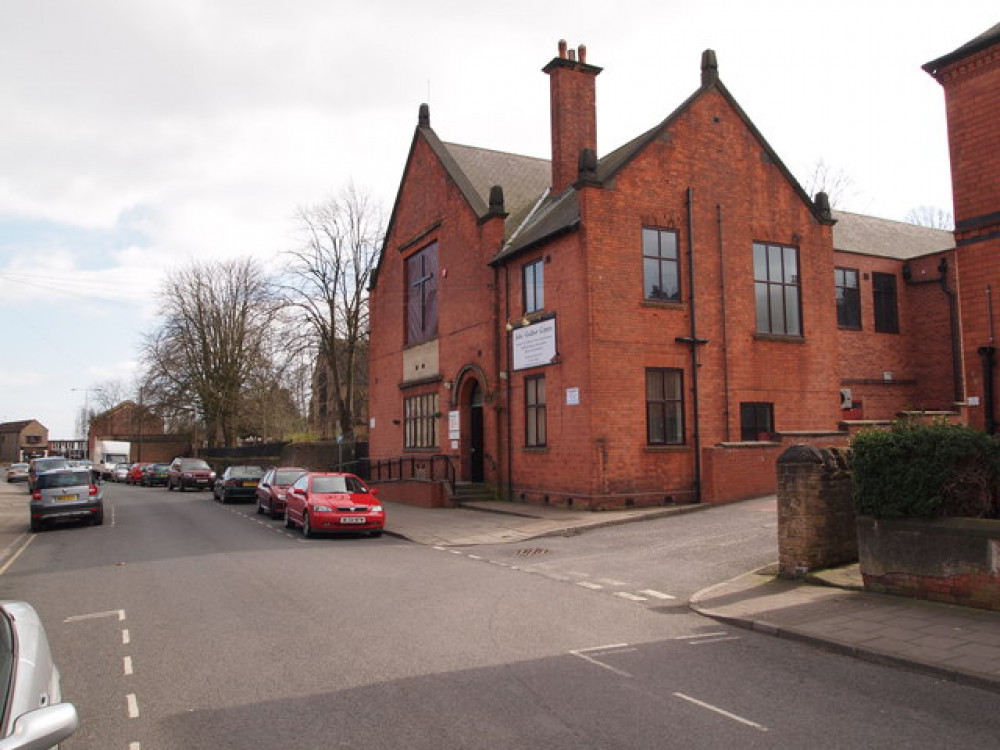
(476, 453)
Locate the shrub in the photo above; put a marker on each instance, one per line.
(925, 470)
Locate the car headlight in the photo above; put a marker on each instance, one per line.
(376, 509)
(322, 509)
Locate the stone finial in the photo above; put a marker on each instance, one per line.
(424, 118)
(709, 67)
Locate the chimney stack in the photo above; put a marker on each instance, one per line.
(573, 102)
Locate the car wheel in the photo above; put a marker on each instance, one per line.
(180, 486)
(225, 498)
(260, 508)
(170, 486)
(288, 520)
(377, 533)
(98, 519)
(36, 525)
(307, 530)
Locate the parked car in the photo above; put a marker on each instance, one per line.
(329, 502)
(134, 475)
(38, 465)
(65, 495)
(154, 475)
(17, 473)
(237, 483)
(273, 487)
(190, 472)
(120, 472)
(30, 693)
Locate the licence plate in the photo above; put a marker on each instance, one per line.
(249, 484)
(352, 519)
(66, 498)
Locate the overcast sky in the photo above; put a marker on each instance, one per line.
(136, 135)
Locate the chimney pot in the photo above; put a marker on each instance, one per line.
(583, 53)
(562, 49)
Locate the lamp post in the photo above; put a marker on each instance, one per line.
(86, 413)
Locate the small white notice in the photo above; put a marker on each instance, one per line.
(572, 397)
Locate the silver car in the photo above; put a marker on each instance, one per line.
(66, 495)
(34, 715)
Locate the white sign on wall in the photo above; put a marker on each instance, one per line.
(572, 397)
(534, 345)
(453, 426)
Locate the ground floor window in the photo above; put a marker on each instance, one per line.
(420, 421)
(756, 421)
(534, 411)
(664, 407)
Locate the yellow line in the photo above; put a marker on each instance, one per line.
(17, 554)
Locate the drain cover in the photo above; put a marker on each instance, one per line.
(531, 551)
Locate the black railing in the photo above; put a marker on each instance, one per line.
(429, 468)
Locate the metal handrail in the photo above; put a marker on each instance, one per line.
(435, 467)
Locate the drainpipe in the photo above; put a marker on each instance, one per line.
(507, 385)
(694, 342)
(725, 331)
(988, 355)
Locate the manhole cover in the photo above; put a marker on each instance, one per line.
(531, 551)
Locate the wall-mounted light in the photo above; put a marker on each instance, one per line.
(448, 385)
(510, 326)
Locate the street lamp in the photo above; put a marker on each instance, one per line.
(86, 413)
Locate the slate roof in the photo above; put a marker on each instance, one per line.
(14, 427)
(987, 39)
(870, 235)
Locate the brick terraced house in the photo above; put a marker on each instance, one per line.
(649, 326)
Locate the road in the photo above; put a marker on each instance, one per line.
(183, 623)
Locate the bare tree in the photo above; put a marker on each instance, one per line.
(327, 289)
(216, 324)
(835, 182)
(930, 216)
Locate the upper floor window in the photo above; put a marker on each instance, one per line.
(420, 420)
(421, 295)
(534, 411)
(776, 289)
(664, 407)
(534, 286)
(884, 303)
(848, 298)
(660, 267)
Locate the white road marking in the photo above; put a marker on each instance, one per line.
(17, 554)
(656, 594)
(714, 640)
(133, 706)
(585, 654)
(630, 597)
(474, 557)
(119, 613)
(127, 665)
(126, 637)
(611, 582)
(721, 712)
(134, 746)
(697, 636)
(590, 585)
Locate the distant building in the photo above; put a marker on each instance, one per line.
(20, 441)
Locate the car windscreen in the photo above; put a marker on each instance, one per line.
(6, 661)
(246, 472)
(283, 478)
(62, 479)
(194, 466)
(337, 484)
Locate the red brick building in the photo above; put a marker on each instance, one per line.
(645, 327)
(970, 77)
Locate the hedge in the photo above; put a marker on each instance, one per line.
(925, 470)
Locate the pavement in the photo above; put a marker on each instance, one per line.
(829, 609)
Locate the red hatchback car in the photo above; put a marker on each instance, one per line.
(333, 503)
(273, 487)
